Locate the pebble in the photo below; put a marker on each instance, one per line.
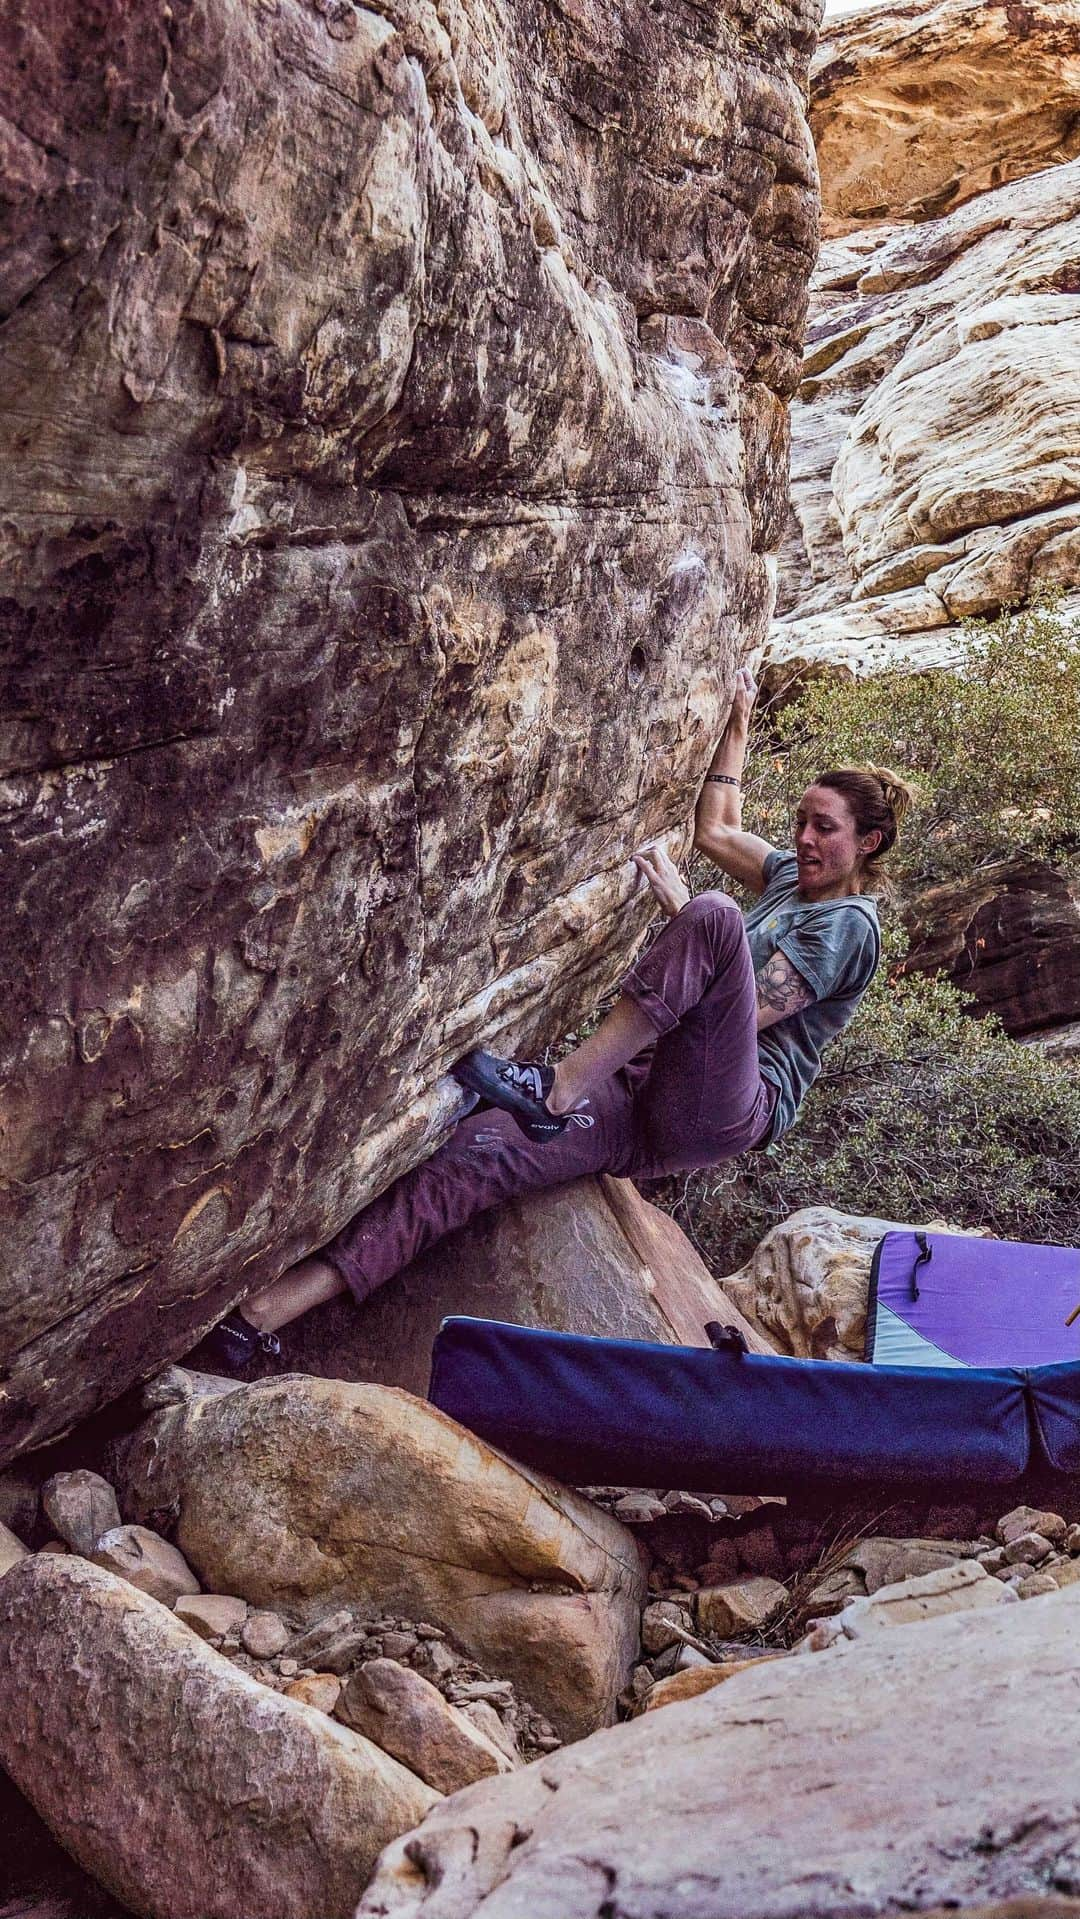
(399, 1645)
(264, 1635)
(212, 1615)
(1071, 1542)
(1036, 1584)
(1028, 1549)
(656, 1625)
(689, 1504)
(319, 1689)
(638, 1509)
(1029, 1519)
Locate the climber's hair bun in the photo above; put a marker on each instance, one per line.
(878, 799)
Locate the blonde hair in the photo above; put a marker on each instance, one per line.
(878, 799)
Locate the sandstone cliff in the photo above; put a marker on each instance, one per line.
(934, 436)
(394, 442)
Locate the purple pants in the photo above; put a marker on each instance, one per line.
(692, 1098)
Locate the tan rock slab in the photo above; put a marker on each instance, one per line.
(922, 105)
(679, 1686)
(740, 1605)
(147, 1561)
(80, 1506)
(303, 1495)
(319, 1689)
(408, 1717)
(11, 1549)
(211, 1615)
(247, 1803)
(713, 1809)
(963, 1587)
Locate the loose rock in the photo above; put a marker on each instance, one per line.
(319, 1689)
(1024, 1520)
(264, 1635)
(147, 1561)
(212, 1615)
(303, 1495)
(11, 1550)
(742, 1605)
(80, 1506)
(408, 1717)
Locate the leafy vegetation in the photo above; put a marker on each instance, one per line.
(993, 745)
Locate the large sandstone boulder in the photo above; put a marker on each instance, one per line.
(301, 1494)
(188, 1789)
(919, 106)
(928, 1767)
(805, 1287)
(591, 1257)
(394, 442)
(934, 472)
(1009, 937)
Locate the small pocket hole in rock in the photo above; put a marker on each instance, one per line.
(635, 666)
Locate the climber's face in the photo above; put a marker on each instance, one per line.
(827, 844)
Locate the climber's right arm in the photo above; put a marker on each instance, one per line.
(718, 831)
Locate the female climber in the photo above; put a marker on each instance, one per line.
(709, 1051)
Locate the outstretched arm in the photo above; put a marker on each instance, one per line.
(781, 991)
(718, 830)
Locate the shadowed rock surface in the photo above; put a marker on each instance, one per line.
(1009, 938)
(303, 1494)
(850, 1783)
(395, 433)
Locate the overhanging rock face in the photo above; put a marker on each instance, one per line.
(395, 420)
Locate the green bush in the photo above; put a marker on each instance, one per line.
(993, 744)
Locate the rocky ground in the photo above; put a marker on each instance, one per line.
(728, 1585)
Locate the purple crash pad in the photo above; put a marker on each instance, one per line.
(945, 1299)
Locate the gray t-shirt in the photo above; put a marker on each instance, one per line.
(835, 945)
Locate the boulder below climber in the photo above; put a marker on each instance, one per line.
(716, 1807)
(297, 1494)
(591, 1257)
(246, 1802)
(805, 1287)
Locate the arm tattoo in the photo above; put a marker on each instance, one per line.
(781, 988)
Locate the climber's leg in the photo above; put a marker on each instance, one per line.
(486, 1160)
(703, 1098)
(308, 1284)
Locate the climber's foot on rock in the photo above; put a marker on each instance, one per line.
(520, 1088)
(235, 1342)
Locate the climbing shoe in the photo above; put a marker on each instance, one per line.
(520, 1088)
(234, 1343)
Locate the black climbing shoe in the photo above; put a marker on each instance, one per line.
(520, 1088)
(234, 1343)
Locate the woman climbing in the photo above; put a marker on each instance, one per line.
(710, 1050)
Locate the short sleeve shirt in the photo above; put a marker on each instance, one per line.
(835, 945)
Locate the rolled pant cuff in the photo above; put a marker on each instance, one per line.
(656, 1010)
